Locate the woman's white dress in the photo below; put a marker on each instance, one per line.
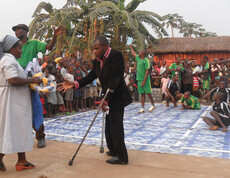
(15, 109)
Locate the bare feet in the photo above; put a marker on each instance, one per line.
(224, 129)
(214, 127)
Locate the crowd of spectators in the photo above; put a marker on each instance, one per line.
(178, 77)
(58, 69)
(182, 76)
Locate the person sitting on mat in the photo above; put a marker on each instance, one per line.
(172, 90)
(189, 101)
(221, 114)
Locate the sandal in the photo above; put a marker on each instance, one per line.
(27, 166)
(2, 167)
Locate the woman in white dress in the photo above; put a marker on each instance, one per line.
(15, 105)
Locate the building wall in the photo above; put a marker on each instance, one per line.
(170, 58)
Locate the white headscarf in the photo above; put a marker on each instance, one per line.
(6, 44)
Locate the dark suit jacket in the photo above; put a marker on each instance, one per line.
(111, 76)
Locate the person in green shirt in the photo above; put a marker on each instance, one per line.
(30, 49)
(206, 75)
(189, 101)
(143, 79)
(176, 68)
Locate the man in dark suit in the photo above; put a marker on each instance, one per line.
(109, 68)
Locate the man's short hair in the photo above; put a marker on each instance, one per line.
(145, 52)
(219, 95)
(205, 57)
(103, 40)
(188, 92)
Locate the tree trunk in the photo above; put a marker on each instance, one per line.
(172, 30)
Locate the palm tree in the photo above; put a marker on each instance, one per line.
(126, 21)
(207, 34)
(189, 29)
(88, 19)
(172, 20)
(193, 29)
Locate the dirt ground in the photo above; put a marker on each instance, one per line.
(52, 162)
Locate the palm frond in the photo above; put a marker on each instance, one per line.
(43, 5)
(100, 11)
(107, 4)
(133, 30)
(70, 15)
(139, 12)
(159, 29)
(151, 40)
(130, 7)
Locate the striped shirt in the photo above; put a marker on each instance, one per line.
(173, 87)
(222, 108)
(196, 81)
(224, 91)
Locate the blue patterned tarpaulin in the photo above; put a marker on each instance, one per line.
(165, 130)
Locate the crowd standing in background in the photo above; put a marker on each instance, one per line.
(200, 80)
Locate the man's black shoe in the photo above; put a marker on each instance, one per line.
(116, 160)
(110, 154)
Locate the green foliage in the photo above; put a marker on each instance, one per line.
(86, 20)
(185, 28)
(133, 5)
(43, 5)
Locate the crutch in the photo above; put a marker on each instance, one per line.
(102, 132)
(71, 161)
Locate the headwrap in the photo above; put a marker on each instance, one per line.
(6, 44)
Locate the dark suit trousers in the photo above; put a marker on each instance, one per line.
(114, 133)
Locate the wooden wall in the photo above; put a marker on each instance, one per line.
(170, 58)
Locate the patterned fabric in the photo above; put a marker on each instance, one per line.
(222, 108)
(166, 130)
(224, 91)
(76, 84)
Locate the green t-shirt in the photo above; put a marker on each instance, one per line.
(30, 50)
(142, 66)
(175, 66)
(192, 101)
(208, 73)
